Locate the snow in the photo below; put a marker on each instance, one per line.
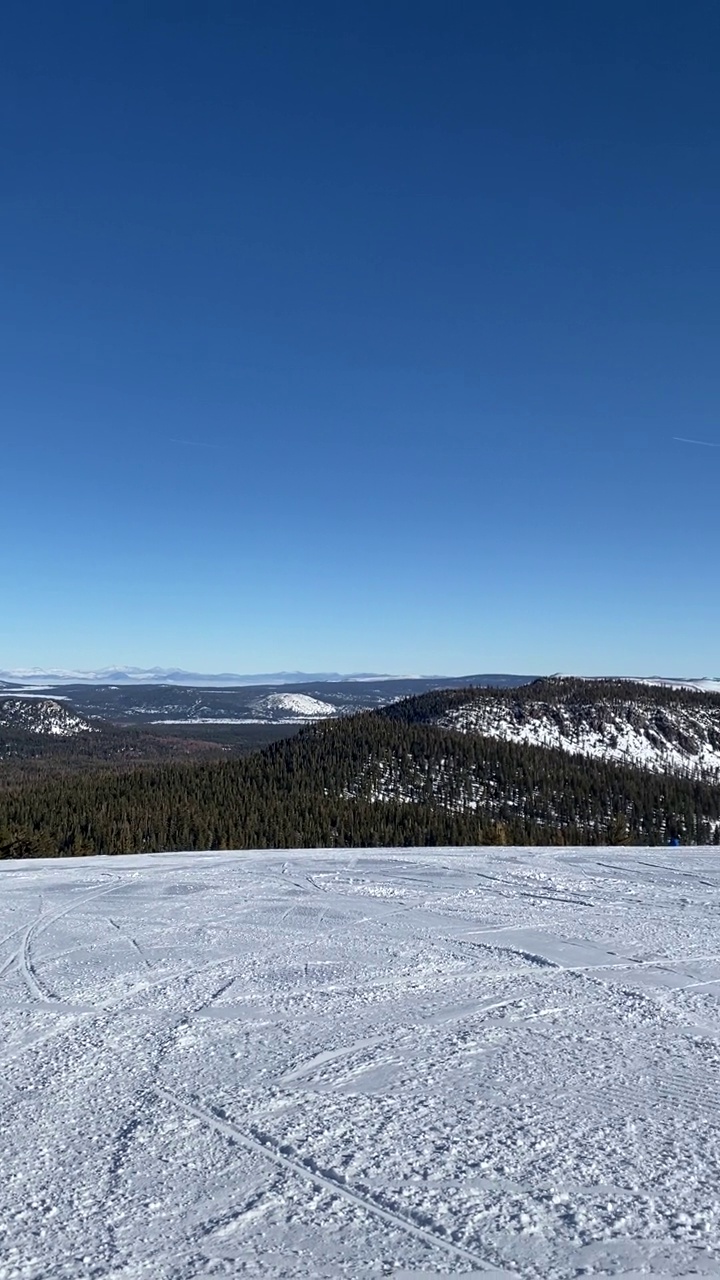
(274, 708)
(30, 695)
(299, 704)
(42, 716)
(358, 1063)
(230, 720)
(703, 684)
(684, 740)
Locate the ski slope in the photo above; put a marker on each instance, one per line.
(361, 1063)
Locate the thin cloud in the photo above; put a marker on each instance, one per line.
(709, 444)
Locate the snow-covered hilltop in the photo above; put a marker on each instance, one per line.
(297, 705)
(663, 727)
(42, 716)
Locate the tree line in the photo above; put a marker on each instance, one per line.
(381, 778)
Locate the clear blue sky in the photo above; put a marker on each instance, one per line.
(355, 336)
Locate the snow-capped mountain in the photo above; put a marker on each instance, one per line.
(42, 716)
(663, 726)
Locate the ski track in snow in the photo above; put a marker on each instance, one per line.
(361, 1062)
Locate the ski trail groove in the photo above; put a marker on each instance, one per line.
(111, 1007)
(23, 958)
(327, 1056)
(130, 941)
(13, 957)
(259, 1143)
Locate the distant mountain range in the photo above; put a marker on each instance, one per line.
(40, 677)
(45, 678)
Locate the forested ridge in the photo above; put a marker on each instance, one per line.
(380, 778)
(599, 700)
(25, 755)
(565, 690)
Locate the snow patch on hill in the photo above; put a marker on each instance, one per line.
(299, 705)
(678, 740)
(42, 716)
(703, 685)
(274, 708)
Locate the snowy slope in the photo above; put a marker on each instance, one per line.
(42, 716)
(677, 739)
(326, 1064)
(299, 705)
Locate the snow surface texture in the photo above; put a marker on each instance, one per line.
(664, 740)
(359, 1063)
(42, 715)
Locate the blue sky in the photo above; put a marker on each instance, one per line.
(356, 336)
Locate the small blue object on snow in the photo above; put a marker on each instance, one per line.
(674, 840)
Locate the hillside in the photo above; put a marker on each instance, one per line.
(42, 738)
(43, 716)
(658, 728)
(397, 776)
(296, 706)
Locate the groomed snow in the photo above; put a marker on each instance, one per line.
(361, 1063)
